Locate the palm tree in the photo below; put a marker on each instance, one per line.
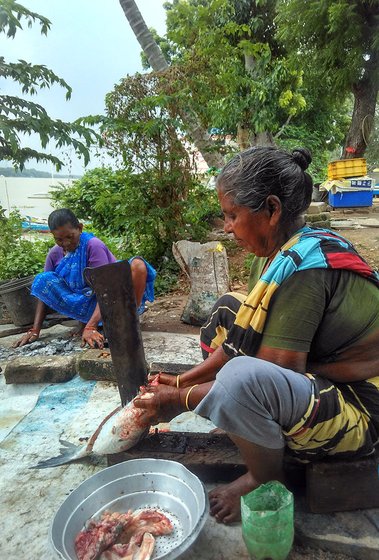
(158, 63)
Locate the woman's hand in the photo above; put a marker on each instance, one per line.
(164, 379)
(162, 402)
(92, 337)
(31, 336)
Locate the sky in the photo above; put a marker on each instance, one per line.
(91, 46)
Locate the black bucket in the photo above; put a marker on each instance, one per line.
(20, 304)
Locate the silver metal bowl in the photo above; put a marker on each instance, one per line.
(136, 484)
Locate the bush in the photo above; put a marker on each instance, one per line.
(126, 211)
(19, 257)
(26, 258)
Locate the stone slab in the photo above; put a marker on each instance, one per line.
(368, 222)
(316, 207)
(181, 349)
(344, 224)
(350, 533)
(10, 329)
(46, 335)
(41, 369)
(96, 365)
(323, 216)
(321, 224)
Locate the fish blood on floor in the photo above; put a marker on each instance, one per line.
(127, 536)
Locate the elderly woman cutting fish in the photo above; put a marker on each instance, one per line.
(62, 286)
(295, 364)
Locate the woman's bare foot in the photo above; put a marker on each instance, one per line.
(225, 501)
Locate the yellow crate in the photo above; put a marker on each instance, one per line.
(343, 168)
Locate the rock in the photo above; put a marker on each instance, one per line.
(169, 348)
(96, 365)
(9, 329)
(321, 217)
(352, 533)
(316, 207)
(343, 224)
(368, 222)
(41, 369)
(45, 336)
(321, 224)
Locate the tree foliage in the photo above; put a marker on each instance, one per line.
(341, 39)
(236, 72)
(20, 117)
(231, 65)
(150, 201)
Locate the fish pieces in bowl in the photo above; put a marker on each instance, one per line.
(155, 485)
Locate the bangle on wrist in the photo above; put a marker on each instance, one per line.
(188, 394)
(34, 332)
(93, 329)
(177, 381)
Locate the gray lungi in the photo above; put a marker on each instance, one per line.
(256, 400)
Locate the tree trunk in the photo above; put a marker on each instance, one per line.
(365, 97)
(199, 136)
(245, 137)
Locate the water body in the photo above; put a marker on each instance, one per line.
(28, 195)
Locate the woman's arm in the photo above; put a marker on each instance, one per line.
(290, 359)
(163, 403)
(202, 373)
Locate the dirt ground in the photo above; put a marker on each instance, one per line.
(164, 314)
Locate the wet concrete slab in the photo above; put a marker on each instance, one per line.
(34, 416)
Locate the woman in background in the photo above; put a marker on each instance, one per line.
(62, 287)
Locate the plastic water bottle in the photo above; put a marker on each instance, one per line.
(267, 521)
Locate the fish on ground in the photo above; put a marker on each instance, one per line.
(123, 428)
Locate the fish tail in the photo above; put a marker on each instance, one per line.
(69, 453)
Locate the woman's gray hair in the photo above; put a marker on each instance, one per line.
(251, 176)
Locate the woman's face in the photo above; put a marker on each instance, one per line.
(67, 237)
(255, 231)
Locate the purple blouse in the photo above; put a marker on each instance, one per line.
(98, 254)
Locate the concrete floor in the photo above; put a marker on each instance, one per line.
(34, 416)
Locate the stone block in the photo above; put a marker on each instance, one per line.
(353, 534)
(321, 217)
(96, 365)
(9, 329)
(316, 207)
(183, 350)
(41, 369)
(343, 485)
(321, 224)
